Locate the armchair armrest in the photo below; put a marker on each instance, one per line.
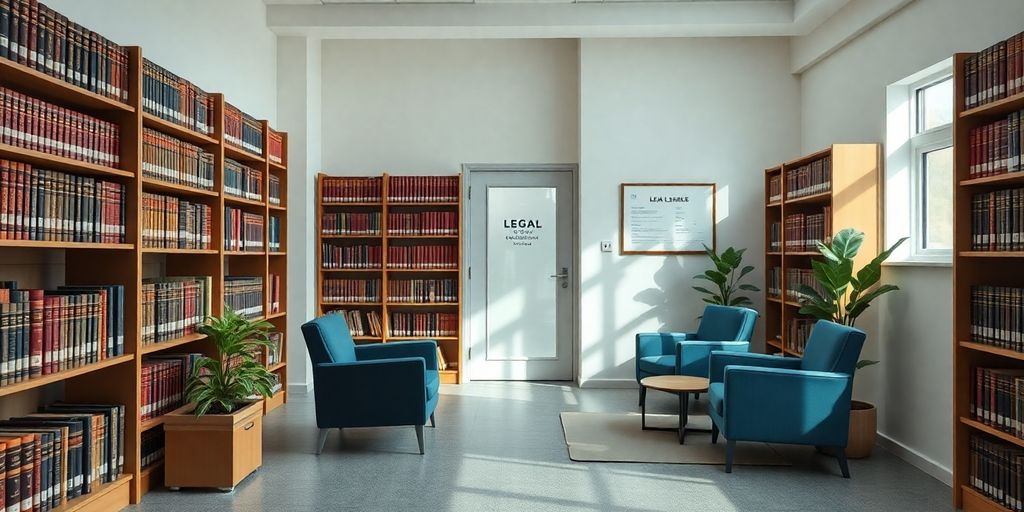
(426, 349)
(376, 392)
(720, 359)
(659, 343)
(692, 355)
(787, 406)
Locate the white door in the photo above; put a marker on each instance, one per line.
(521, 279)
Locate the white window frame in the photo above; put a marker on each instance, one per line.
(904, 172)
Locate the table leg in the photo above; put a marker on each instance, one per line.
(684, 402)
(643, 413)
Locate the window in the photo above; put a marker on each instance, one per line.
(919, 166)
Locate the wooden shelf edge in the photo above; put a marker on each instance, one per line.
(163, 345)
(422, 203)
(414, 338)
(12, 389)
(813, 198)
(272, 316)
(991, 254)
(47, 244)
(777, 300)
(277, 207)
(160, 250)
(276, 367)
(102, 499)
(354, 203)
(422, 304)
(245, 253)
(1005, 436)
(344, 237)
(998, 107)
(1008, 178)
(981, 347)
(75, 95)
(415, 237)
(160, 420)
(975, 501)
(241, 201)
(172, 188)
(59, 163)
(236, 153)
(276, 166)
(148, 470)
(352, 304)
(351, 269)
(176, 130)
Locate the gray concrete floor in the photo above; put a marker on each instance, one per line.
(499, 447)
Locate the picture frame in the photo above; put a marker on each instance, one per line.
(666, 218)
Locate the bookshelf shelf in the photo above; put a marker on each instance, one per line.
(242, 156)
(47, 244)
(44, 380)
(352, 304)
(273, 316)
(276, 208)
(177, 131)
(420, 237)
(328, 270)
(1012, 178)
(423, 270)
(164, 345)
(276, 367)
(350, 237)
(161, 250)
(851, 200)
(241, 201)
(413, 338)
(276, 166)
(981, 347)
(245, 253)
(440, 203)
(354, 203)
(155, 185)
(995, 108)
(109, 496)
(367, 338)
(154, 422)
(277, 253)
(977, 502)
(421, 304)
(60, 163)
(994, 432)
(991, 254)
(19, 77)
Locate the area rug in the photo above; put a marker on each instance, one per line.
(605, 437)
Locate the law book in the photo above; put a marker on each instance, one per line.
(809, 179)
(423, 189)
(242, 130)
(172, 98)
(242, 181)
(175, 161)
(350, 223)
(423, 324)
(360, 256)
(244, 295)
(13, 485)
(426, 256)
(243, 231)
(170, 222)
(352, 190)
(275, 146)
(56, 488)
(274, 190)
(81, 438)
(274, 234)
(112, 429)
(351, 290)
(38, 125)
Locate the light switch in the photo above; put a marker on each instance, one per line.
(606, 246)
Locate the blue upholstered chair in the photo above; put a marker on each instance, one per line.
(378, 385)
(686, 353)
(756, 397)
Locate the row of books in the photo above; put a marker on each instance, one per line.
(997, 220)
(163, 381)
(176, 161)
(173, 307)
(804, 231)
(63, 452)
(351, 290)
(997, 316)
(242, 181)
(172, 223)
(244, 295)
(274, 350)
(799, 331)
(350, 256)
(774, 279)
(151, 443)
(809, 179)
(242, 130)
(34, 124)
(423, 256)
(995, 72)
(274, 190)
(997, 471)
(996, 148)
(423, 223)
(797, 277)
(423, 291)
(45, 40)
(174, 99)
(424, 324)
(423, 189)
(275, 147)
(998, 399)
(349, 223)
(48, 331)
(775, 188)
(775, 237)
(243, 231)
(443, 363)
(274, 234)
(275, 292)
(352, 190)
(37, 204)
(357, 326)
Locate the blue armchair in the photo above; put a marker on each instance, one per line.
(686, 353)
(377, 385)
(756, 397)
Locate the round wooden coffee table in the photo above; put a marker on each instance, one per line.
(681, 385)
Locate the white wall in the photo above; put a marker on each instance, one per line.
(843, 100)
(672, 110)
(221, 46)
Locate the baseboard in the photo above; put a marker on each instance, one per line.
(916, 459)
(299, 388)
(609, 384)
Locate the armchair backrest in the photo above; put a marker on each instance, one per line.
(726, 323)
(832, 348)
(328, 340)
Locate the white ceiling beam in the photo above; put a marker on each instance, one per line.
(854, 19)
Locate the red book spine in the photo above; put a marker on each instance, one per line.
(36, 307)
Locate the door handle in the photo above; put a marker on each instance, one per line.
(564, 276)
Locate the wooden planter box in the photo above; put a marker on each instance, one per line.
(215, 450)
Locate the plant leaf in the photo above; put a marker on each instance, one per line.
(864, 363)
(749, 288)
(703, 290)
(746, 270)
(847, 243)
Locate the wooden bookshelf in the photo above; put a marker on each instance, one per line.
(451, 346)
(117, 379)
(855, 201)
(972, 268)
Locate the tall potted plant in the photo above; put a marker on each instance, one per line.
(218, 440)
(726, 278)
(841, 297)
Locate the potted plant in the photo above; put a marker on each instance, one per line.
(217, 440)
(841, 297)
(725, 277)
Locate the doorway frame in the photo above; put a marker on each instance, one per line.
(467, 245)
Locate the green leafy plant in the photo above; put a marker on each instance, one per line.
(229, 382)
(843, 295)
(726, 278)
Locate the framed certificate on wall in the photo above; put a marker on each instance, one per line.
(666, 218)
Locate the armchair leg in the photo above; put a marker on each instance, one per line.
(730, 448)
(843, 466)
(696, 396)
(714, 433)
(321, 440)
(432, 424)
(419, 437)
